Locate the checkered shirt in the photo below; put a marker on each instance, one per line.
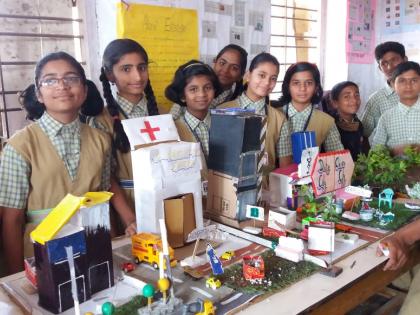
(398, 126)
(15, 171)
(378, 103)
(297, 122)
(200, 129)
(133, 110)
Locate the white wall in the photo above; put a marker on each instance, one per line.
(333, 38)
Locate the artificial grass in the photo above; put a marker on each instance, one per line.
(130, 308)
(279, 274)
(402, 216)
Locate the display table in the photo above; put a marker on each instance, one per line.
(362, 277)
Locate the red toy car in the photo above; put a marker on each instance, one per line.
(253, 267)
(128, 267)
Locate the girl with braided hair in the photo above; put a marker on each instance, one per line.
(125, 65)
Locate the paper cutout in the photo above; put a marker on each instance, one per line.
(331, 171)
(254, 212)
(307, 161)
(152, 129)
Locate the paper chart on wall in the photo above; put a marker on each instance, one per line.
(399, 16)
(244, 23)
(169, 35)
(360, 36)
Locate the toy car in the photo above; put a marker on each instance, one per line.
(228, 255)
(127, 267)
(213, 283)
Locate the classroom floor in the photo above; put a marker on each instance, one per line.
(387, 302)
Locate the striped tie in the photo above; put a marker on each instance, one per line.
(261, 160)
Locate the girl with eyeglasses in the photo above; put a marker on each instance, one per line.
(194, 86)
(51, 157)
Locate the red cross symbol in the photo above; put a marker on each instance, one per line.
(149, 130)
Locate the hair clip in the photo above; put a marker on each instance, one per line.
(196, 64)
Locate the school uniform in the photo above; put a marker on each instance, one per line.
(351, 133)
(122, 167)
(191, 129)
(378, 103)
(399, 126)
(277, 140)
(312, 119)
(177, 110)
(45, 161)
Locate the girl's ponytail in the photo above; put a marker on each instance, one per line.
(120, 139)
(239, 88)
(152, 108)
(28, 99)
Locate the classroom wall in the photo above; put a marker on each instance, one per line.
(101, 26)
(368, 76)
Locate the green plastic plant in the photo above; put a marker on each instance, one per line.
(380, 169)
(329, 214)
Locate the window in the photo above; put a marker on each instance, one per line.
(295, 34)
(30, 30)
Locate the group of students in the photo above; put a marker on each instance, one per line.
(77, 145)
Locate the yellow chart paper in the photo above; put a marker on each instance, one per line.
(169, 35)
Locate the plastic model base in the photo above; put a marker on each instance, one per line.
(173, 306)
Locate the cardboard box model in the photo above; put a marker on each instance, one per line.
(235, 164)
(81, 223)
(163, 167)
(179, 219)
(331, 171)
(284, 186)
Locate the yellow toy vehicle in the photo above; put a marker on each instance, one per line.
(146, 247)
(228, 255)
(213, 283)
(200, 308)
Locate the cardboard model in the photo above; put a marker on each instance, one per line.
(235, 164)
(163, 167)
(81, 223)
(332, 171)
(284, 187)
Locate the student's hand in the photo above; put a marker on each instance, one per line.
(398, 252)
(131, 229)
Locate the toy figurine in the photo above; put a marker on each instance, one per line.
(215, 262)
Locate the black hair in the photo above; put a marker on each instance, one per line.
(404, 67)
(263, 58)
(92, 106)
(28, 97)
(112, 55)
(300, 67)
(243, 58)
(383, 48)
(336, 90)
(183, 75)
